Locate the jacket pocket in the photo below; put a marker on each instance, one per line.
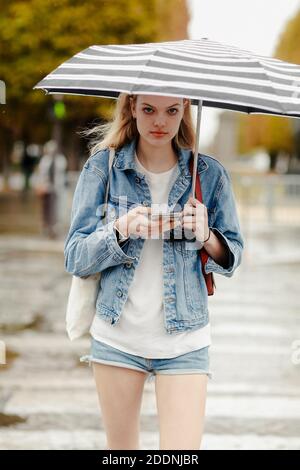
(123, 201)
(187, 249)
(119, 205)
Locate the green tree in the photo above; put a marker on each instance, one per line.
(289, 41)
(38, 35)
(275, 133)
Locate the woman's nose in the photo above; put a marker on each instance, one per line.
(160, 121)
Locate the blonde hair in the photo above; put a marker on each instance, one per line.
(122, 128)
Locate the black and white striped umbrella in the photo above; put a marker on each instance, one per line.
(219, 75)
(208, 72)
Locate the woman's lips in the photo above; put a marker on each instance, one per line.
(158, 134)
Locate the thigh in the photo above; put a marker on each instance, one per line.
(120, 392)
(180, 400)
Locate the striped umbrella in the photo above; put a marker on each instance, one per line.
(208, 72)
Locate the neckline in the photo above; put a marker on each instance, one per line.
(152, 172)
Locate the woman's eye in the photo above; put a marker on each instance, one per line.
(173, 109)
(146, 109)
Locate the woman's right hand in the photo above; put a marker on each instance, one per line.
(137, 223)
(133, 222)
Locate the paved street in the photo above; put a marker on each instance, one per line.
(48, 399)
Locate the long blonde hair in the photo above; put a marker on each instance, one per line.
(122, 128)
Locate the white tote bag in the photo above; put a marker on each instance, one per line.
(81, 306)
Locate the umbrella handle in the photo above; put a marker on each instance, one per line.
(196, 148)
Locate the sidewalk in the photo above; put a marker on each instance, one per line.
(253, 400)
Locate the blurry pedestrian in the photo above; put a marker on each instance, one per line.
(51, 187)
(28, 163)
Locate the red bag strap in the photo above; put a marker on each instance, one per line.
(203, 253)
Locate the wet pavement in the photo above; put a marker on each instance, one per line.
(48, 398)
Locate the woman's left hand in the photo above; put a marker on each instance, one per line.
(195, 219)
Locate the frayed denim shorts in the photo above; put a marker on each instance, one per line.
(194, 362)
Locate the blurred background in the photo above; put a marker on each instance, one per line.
(253, 400)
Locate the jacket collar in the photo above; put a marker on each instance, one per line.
(125, 159)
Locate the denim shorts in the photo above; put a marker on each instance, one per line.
(194, 362)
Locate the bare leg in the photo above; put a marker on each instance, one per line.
(181, 407)
(120, 392)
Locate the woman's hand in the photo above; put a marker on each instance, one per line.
(195, 219)
(132, 223)
(137, 223)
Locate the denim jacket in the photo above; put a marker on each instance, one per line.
(91, 246)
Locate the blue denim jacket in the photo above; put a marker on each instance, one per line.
(91, 246)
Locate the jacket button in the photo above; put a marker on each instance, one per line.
(128, 265)
(145, 203)
(137, 179)
(119, 293)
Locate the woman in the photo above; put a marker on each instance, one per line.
(152, 315)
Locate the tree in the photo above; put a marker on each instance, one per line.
(275, 134)
(38, 35)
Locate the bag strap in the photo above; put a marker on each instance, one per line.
(203, 252)
(209, 278)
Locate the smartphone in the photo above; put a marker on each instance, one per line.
(166, 216)
(176, 234)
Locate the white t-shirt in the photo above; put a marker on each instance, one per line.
(140, 329)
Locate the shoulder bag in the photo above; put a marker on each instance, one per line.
(81, 306)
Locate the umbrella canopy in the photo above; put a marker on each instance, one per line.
(220, 76)
(208, 72)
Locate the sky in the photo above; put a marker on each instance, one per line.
(254, 25)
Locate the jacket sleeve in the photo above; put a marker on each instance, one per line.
(227, 228)
(91, 246)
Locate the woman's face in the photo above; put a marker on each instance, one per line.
(158, 117)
